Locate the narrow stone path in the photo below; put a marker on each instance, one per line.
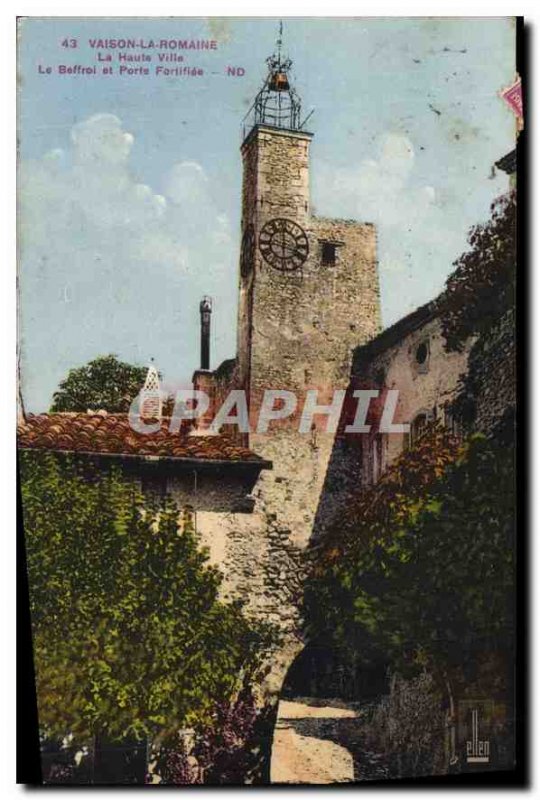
(306, 746)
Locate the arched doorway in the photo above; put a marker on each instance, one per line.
(320, 712)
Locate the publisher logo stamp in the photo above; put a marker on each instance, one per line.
(475, 717)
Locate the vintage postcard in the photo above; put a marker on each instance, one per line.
(267, 397)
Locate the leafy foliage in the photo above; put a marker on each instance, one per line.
(482, 287)
(226, 751)
(408, 726)
(426, 576)
(104, 383)
(130, 638)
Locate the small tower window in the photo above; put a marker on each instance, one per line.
(420, 356)
(421, 353)
(328, 254)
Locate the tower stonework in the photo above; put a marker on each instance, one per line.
(275, 186)
(308, 296)
(298, 325)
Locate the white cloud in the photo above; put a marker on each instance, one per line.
(380, 189)
(415, 225)
(101, 142)
(186, 181)
(90, 192)
(107, 259)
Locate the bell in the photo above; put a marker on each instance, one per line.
(279, 82)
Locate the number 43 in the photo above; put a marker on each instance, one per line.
(69, 43)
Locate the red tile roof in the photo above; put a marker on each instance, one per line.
(111, 434)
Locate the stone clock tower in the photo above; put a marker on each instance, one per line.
(308, 296)
(309, 289)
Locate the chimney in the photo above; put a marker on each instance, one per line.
(203, 378)
(205, 310)
(150, 403)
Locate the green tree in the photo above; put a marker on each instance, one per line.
(439, 590)
(479, 296)
(130, 638)
(426, 575)
(483, 284)
(103, 383)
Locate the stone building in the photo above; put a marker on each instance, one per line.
(408, 358)
(214, 474)
(308, 320)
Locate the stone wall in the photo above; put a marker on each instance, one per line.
(493, 369)
(296, 331)
(305, 325)
(315, 327)
(276, 174)
(412, 360)
(389, 362)
(258, 539)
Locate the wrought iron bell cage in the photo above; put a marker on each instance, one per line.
(277, 104)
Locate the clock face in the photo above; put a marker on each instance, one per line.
(283, 244)
(248, 251)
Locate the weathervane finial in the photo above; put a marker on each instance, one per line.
(280, 38)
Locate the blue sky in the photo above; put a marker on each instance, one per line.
(129, 187)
